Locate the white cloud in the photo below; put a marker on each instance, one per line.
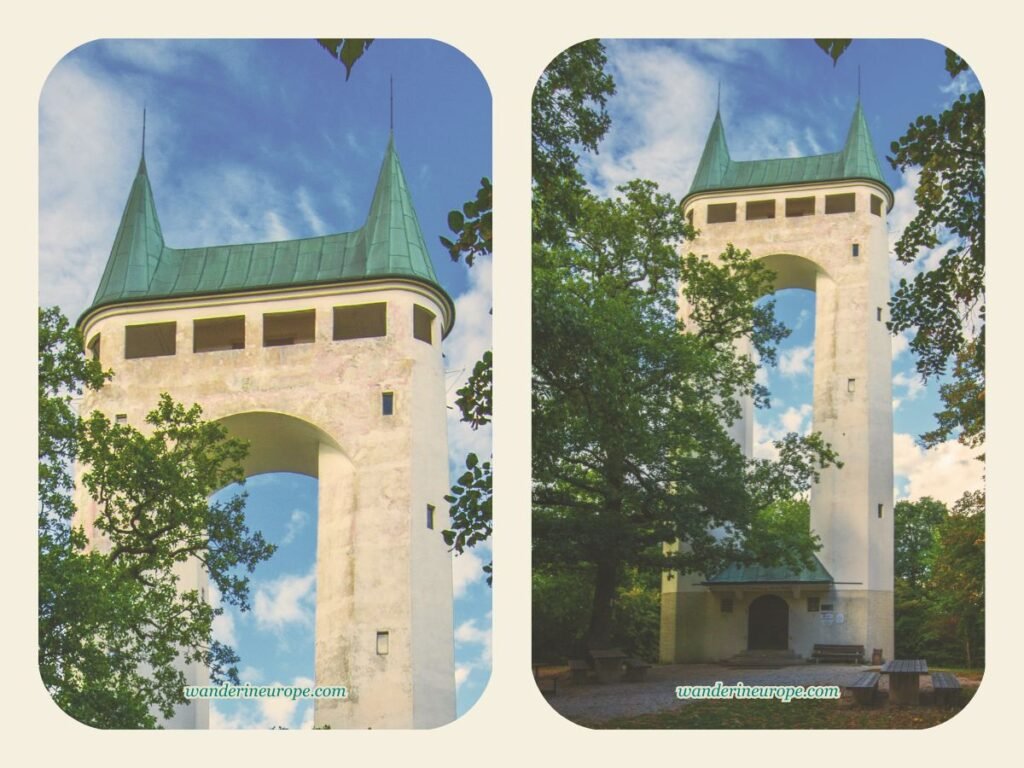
(900, 344)
(466, 570)
(296, 522)
(461, 674)
(796, 361)
(944, 472)
(775, 424)
(472, 633)
(289, 599)
(223, 625)
(911, 383)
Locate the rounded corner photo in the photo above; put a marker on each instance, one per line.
(758, 384)
(265, 384)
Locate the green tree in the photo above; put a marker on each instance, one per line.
(916, 524)
(957, 579)
(114, 627)
(630, 402)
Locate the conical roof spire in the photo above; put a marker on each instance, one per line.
(859, 158)
(137, 246)
(394, 241)
(714, 162)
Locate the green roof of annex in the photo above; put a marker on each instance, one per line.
(856, 160)
(390, 244)
(814, 573)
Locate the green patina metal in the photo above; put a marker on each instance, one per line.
(142, 267)
(771, 574)
(718, 171)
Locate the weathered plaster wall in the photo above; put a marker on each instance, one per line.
(378, 568)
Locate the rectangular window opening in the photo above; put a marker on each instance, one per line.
(430, 516)
(876, 205)
(719, 213)
(726, 605)
(121, 418)
(361, 321)
(843, 203)
(387, 403)
(856, 249)
(827, 607)
(383, 643)
(216, 334)
(760, 209)
(851, 385)
(422, 323)
(813, 604)
(799, 206)
(878, 312)
(879, 510)
(94, 347)
(689, 216)
(150, 340)
(281, 329)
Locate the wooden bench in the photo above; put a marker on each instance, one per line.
(865, 687)
(578, 670)
(851, 653)
(947, 689)
(547, 684)
(636, 670)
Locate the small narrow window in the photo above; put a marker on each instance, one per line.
(799, 206)
(217, 334)
(760, 209)
(689, 216)
(121, 418)
(726, 605)
(430, 516)
(150, 340)
(856, 249)
(387, 403)
(827, 607)
(844, 203)
(879, 511)
(281, 329)
(878, 312)
(719, 213)
(851, 385)
(361, 321)
(813, 604)
(876, 205)
(94, 348)
(383, 641)
(422, 324)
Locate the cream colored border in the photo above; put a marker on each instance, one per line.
(511, 43)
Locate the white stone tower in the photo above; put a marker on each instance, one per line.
(325, 353)
(819, 224)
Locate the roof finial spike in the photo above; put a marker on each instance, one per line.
(858, 83)
(391, 79)
(718, 108)
(143, 131)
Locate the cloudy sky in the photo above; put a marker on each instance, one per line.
(784, 98)
(265, 140)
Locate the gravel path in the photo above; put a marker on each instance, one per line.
(594, 702)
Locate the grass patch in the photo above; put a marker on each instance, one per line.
(753, 715)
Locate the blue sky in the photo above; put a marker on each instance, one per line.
(265, 140)
(783, 98)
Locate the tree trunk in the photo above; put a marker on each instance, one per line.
(599, 634)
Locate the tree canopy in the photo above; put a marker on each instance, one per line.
(631, 401)
(114, 626)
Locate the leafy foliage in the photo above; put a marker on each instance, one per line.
(834, 47)
(630, 399)
(915, 525)
(346, 50)
(470, 510)
(114, 627)
(472, 225)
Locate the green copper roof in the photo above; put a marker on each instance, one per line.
(142, 267)
(776, 574)
(717, 170)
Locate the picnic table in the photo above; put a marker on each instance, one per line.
(608, 664)
(905, 679)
